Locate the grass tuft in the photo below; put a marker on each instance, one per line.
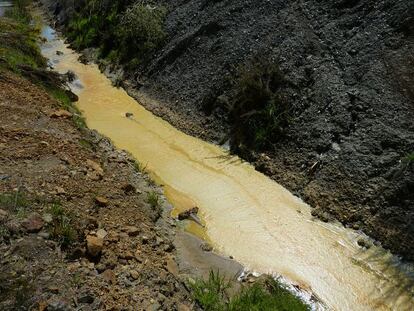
(153, 199)
(61, 229)
(268, 295)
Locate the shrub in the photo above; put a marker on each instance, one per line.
(141, 31)
(259, 110)
(124, 33)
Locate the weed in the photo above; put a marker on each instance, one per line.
(269, 295)
(259, 110)
(139, 167)
(61, 229)
(153, 199)
(86, 144)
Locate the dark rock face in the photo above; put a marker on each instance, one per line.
(350, 68)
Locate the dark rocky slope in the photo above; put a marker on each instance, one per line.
(350, 67)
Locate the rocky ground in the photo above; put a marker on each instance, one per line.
(351, 85)
(78, 230)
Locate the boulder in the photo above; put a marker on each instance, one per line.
(34, 223)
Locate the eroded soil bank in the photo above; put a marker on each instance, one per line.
(349, 64)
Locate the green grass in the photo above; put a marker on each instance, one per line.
(268, 295)
(139, 167)
(14, 201)
(62, 229)
(20, 53)
(153, 199)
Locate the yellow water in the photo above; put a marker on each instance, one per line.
(247, 215)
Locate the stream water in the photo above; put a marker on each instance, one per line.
(246, 215)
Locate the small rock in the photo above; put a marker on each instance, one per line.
(109, 276)
(129, 114)
(101, 201)
(145, 239)
(131, 230)
(59, 53)
(44, 235)
(61, 113)
(86, 297)
(364, 243)
(206, 247)
(186, 214)
(95, 166)
(13, 226)
(183, 307)
(101, 233)
(34, 223)
(60, 190)
(3, 215)
(134, 274)
(94, 245)
(126, 255)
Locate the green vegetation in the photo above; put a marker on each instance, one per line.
(409, 158)
(259, 110)
(269, 295)
(153, 199)
(13, 201)
(124, 33)
(61, 228)
(18, 12)
(20, 53)
(139, 167)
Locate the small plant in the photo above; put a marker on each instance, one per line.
(139, 167)
(153, 199)
(61, 229)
